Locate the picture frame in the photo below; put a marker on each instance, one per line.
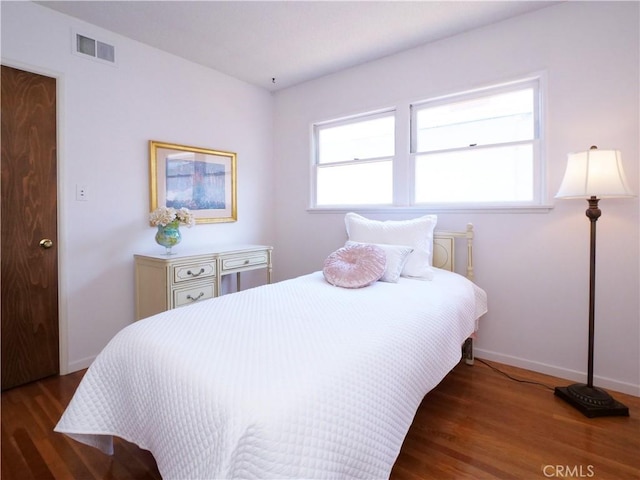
(200, 179)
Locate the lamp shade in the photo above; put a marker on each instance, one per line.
(596, 173)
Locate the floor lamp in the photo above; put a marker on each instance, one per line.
(593, 175)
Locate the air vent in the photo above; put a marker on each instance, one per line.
(94, 48)
(106, 52)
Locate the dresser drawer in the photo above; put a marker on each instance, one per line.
(187, 296)
(183, 273)
(246, 260)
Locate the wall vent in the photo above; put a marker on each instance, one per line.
(93, 48)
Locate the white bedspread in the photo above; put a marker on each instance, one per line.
(298, 379)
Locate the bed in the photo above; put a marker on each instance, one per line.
(297, 379)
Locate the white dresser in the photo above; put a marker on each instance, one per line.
(164, 281)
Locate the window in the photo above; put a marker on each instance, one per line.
(354, 160)
(479, 149)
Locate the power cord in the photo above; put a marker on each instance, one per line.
(512, 378)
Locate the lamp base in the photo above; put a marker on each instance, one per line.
(591, 401)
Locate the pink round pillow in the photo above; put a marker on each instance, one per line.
(355, 266)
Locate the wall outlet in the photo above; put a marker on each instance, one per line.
(81, 193)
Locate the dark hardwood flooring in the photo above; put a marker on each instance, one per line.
(477, 424)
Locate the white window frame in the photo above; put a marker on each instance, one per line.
(316, 165)
(405, 155)
(536, 143)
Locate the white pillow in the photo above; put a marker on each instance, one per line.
(397, 256)
(416, 233)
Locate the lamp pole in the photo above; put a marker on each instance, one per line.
(593, 213)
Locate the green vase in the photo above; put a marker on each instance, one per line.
(169, 236)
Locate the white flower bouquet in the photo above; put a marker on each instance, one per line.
(166, 215)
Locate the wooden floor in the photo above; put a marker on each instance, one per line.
(477, 424)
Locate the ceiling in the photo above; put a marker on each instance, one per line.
(277, 44)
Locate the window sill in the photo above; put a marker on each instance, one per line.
(435, 209)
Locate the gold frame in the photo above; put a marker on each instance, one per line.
(159, 152)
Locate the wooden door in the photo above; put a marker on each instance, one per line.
(29, 264)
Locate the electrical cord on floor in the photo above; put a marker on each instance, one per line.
(513, 378)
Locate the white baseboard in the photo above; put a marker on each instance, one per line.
(571, 375)
(79, 364)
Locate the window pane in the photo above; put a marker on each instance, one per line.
(372, 138)
(502, 174)
(367, 183)
(501, 118)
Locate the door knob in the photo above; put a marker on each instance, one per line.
(46, 243)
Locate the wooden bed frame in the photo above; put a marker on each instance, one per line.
(444, 257)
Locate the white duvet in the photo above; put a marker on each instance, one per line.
(299, 379)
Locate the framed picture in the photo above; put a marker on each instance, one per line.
(200, 179)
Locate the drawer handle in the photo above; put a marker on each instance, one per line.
(189, 272)
(246, 262)
(189, 297)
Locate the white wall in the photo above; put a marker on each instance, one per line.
(107, 115)
(534, 266)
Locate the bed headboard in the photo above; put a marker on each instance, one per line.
(444, 249)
